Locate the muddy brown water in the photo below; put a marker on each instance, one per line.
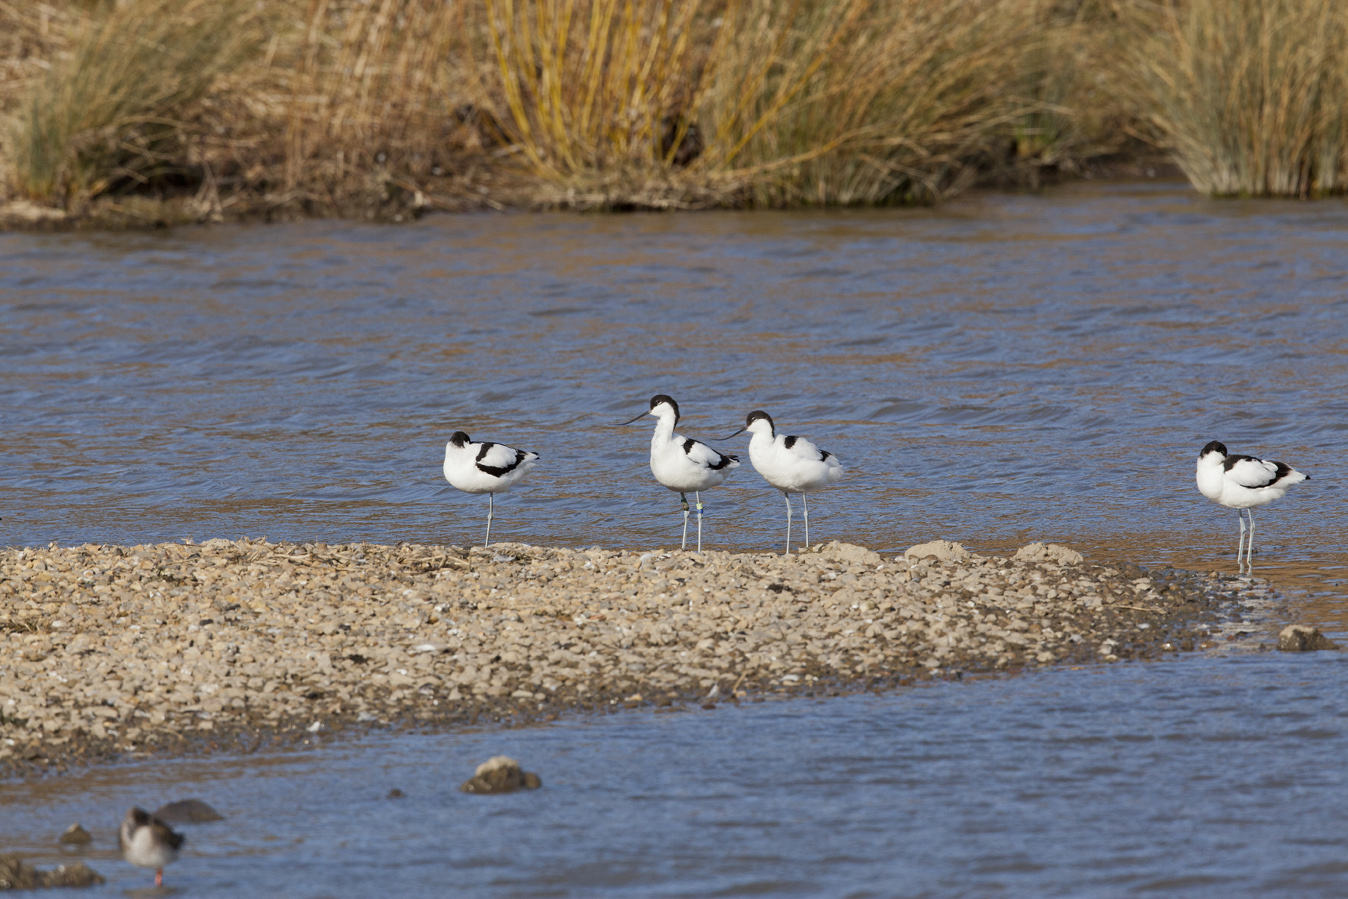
(999, 370)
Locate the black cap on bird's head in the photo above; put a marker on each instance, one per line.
(757, 415)
(657, 401)
(760, 416)
(661, 398)
(459, 439)
(1215, 446)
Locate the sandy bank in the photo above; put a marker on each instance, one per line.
(107, 651)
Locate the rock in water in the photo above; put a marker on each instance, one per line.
(76, 875)
(500, 774)
(18, 875)
(187, 811)
(76, 835)
(1303, 638)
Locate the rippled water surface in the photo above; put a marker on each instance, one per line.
(1194, 778)
(999, 370)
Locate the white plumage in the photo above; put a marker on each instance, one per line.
(1241, 483)
(682, 464)
(791, 464)
(487, 467)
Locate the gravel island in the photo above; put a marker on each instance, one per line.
(120, 651)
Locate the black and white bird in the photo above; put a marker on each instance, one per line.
(1242, 482)
(682, 464)
(489, 468)
(791, 464)
(147, 842)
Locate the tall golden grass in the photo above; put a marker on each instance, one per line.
(768, 101)
(1251, 95)
(114, 112)
(368, 95)
(894, 100)
(382, 107)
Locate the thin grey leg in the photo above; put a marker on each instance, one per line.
(1240, 541)
(698, 496)
(684, 500)
(806, 503)
(786, 496)
(487, 540)
(1250, 545)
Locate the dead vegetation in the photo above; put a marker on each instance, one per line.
(159, 111)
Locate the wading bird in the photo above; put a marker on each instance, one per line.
(489, 468)
(1240, 483)
(682, 464)
(791, 464)
(147, 842)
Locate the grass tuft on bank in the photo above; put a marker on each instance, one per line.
(758, 102)
(112, 114)
(1251, 96)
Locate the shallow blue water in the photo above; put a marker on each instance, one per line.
(1199, 777)
(995, 371)
(999, 370)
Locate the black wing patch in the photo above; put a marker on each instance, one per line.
(789, 442)
(1280, 471)
(171, 836)
(824, 454)
(493, 470)
(723, 461)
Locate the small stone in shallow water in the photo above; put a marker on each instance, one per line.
(395, 793)
(16, 874)
(75, 835)
(500, 774)
(1303, 638)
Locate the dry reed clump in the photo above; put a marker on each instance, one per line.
(116, 109)
(386, 107)
(1251, 95)
(372, 100)
(761, 102)
(298, 106)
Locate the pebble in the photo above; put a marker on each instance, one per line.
(226, 645)
(75, 835)
(1303, 638)
(16, 874)
(500, 774)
